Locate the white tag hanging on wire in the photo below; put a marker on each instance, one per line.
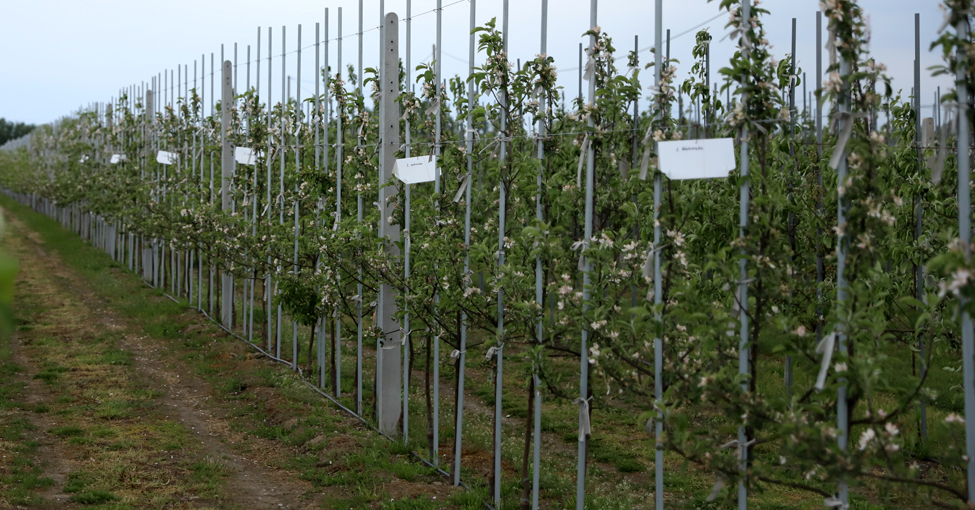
(246, 156)
(416, 170)
(165, 158)
(696, 159)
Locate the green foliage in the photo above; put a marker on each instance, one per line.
(8, 271)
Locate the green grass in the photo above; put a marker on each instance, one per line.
(67, 431)
(23, 475)
(116, 357)
(93, 497)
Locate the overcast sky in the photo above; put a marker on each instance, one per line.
(59, 55)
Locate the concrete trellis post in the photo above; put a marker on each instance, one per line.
(388, 411)
(147, 124)
(226, 167)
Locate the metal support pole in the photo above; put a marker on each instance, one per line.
(583, 400)
(298, 121)
(539, 283)
(743, 344)
(658, 387)
(284, 158)
(965, 233)
(226, 167)
(499, 352)
(358, 348)
(842, 412)
(406, 262)
(438, 129)
(338, 217)
(919, 208)
(318, 168)
(820, 266)
(462, 352)
(792, 153)
(268, 288)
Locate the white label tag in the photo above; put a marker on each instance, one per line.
(415, 170)
(697, 159)
(246, 155)
(116, 158)
(165, 158)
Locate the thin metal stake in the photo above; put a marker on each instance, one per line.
(462, 354)
(743, 344)
(586, 282)
(965, 233)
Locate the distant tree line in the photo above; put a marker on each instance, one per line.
(13, 130)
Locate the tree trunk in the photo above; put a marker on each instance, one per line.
(311, 343)
(457, 408)
(332, 361)
(429, 400)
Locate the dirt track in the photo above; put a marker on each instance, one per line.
(55, 302)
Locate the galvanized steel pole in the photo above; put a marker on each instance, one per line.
(842, 412)
(965, 233)
(462, 352)
(338, 213)
(743, 344)
(436, 193)
(583, 400)
(502, 206)
(358, 350)
(658, 356)
(539, 274)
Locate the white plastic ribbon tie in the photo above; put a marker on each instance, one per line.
(462, 188)
(590, 69)
(839, 151)
(648, 263)
(825, 348)
(581, 247)
(585, 427)
(492, 352)
(434, 106)
(835, 502)
(716, 489)
(584, 150)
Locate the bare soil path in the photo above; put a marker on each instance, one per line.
(59, 313)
